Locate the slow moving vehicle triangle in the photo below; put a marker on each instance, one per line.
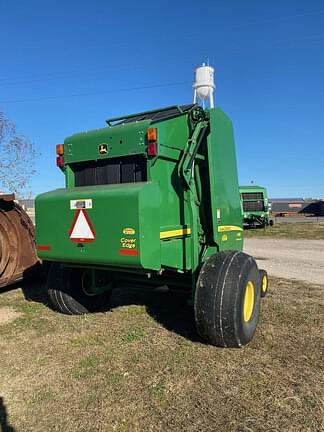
(82, 230)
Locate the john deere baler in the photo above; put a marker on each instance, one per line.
(255, 206)
(153, 199)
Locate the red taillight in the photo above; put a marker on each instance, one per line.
(60, 161)
(60, 153)
(152, 147)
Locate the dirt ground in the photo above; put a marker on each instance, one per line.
(142, 367)
(8, 314)
(289, 258)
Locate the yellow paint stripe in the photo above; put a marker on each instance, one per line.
(174, 233)
(223, 228)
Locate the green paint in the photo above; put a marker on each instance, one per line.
(255, 205)
(121, 140)
(114, 208)
(191, 193)
(224, 193)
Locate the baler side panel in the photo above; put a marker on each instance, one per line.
(224, 188)
(174, 211)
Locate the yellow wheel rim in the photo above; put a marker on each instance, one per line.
(248, 301)
(264, 284)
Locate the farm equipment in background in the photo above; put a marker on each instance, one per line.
(255, 206)
(18, 257)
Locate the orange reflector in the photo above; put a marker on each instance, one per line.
(59, 149)
(152, 134)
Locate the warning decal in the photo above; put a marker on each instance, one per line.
(82, 230)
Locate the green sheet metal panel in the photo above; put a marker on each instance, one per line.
(163, 170)
(224, 188)
(174, 212)
(172, 133)
(175, 253)
(121, 140)
(125, 219)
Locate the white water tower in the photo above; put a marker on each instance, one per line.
(204, 85)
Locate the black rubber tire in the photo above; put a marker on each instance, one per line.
(271, 222)
(66, 295)
(264, 283)
(219, 299)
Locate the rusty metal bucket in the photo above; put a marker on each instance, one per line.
(17, 242)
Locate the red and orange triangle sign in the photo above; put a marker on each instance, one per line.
(82, 230)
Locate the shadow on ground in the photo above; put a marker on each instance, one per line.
(34, 289)
(4, 426)
(170, 309)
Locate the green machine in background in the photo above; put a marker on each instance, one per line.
(152, 199)
(255, 206)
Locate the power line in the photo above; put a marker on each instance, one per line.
(96, 92)
(87, 73)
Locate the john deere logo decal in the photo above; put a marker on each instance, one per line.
(103, 149)
(129, 231)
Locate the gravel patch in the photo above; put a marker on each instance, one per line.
(292, 259)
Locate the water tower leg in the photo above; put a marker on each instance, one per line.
(211, 99)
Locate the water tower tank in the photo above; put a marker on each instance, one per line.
(204, 84)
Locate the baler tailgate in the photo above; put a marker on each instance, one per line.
(115, 225)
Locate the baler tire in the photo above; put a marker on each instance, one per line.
(264, 283)
(65, 293)
(227, 299)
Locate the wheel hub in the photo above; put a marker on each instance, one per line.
(248, 301)
(264, 284)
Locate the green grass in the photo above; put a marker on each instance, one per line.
(289, 230)
(142, 367)
(41, 396)
(132, 336)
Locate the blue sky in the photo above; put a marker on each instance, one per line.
(67, 66)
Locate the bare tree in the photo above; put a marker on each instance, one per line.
(17, 159)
